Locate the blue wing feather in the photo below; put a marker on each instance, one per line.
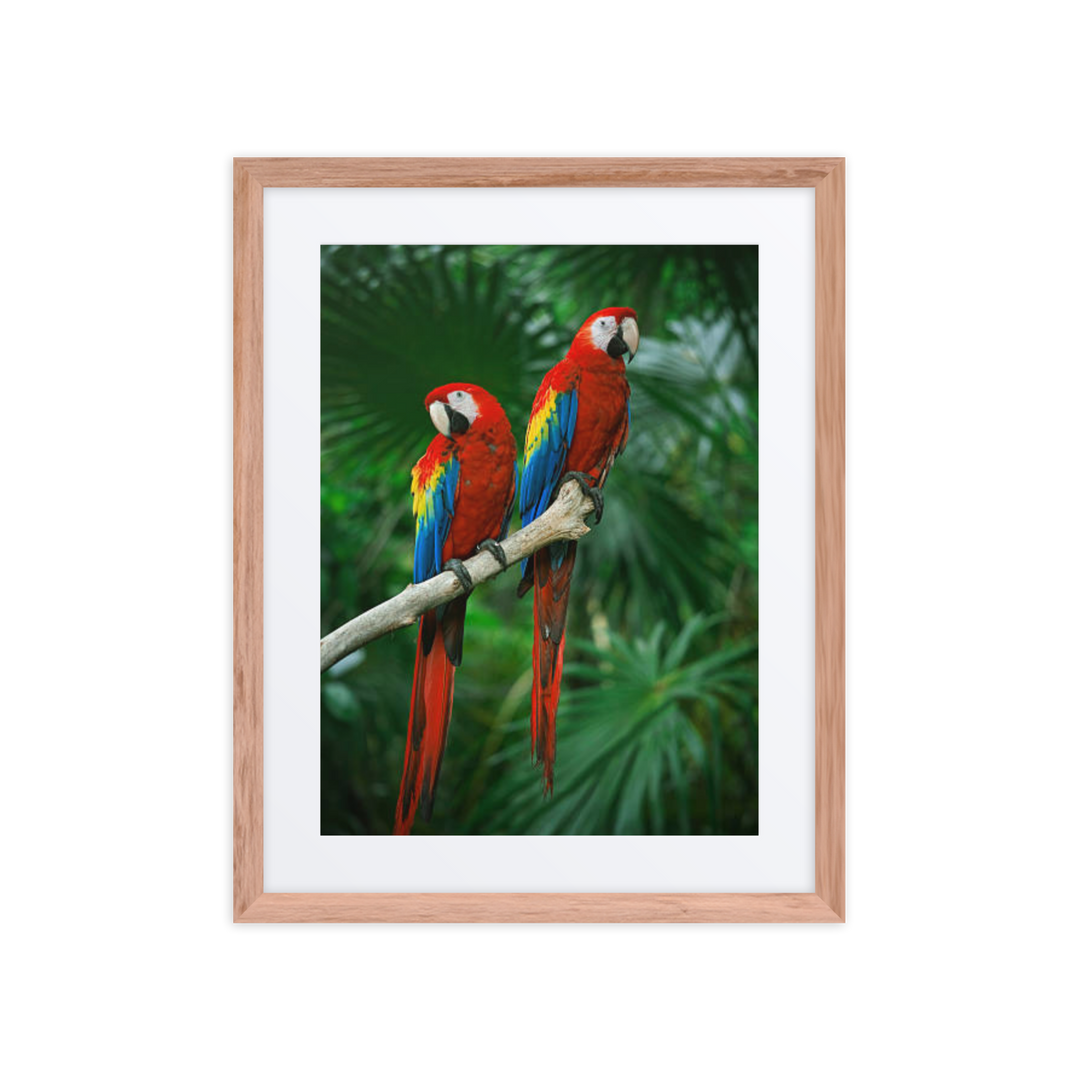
(435, 511)
(551, 431)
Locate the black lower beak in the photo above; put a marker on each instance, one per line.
(617, 346)
(459, 422)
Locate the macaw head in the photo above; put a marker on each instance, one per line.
(613, 331)
(456, 407)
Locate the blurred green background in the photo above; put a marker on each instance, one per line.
(658, 722)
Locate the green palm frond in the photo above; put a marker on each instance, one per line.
(655, 280)
(395, 327)
(691, 460)
(637, 725)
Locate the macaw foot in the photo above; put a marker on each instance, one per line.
(460, 573)
(585, 482)
(496, 549)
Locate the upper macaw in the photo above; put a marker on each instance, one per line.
(463, 494)
(578, 426)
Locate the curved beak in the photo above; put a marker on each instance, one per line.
(440, 414)
(628, 329)
(446, 420)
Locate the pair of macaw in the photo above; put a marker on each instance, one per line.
(463, 494)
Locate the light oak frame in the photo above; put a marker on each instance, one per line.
(250, 903)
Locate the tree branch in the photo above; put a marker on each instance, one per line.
(563, 520)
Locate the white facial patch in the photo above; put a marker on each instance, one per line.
(602, 331)
(462, 401)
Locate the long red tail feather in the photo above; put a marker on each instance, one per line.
(438, 645)
(551, 593)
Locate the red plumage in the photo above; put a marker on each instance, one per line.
(579, 423)
(550, 598)
(463, 488)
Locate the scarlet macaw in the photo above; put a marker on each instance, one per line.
(463, 494)
(579, 423)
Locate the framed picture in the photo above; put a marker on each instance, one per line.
(471, 900)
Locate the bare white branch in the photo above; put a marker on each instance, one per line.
(563, 520)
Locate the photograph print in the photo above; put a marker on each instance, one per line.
(601, 686)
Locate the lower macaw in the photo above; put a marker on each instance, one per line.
(579, 424)
(463, 493)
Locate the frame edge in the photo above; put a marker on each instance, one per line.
(829, 486)
(247, 540)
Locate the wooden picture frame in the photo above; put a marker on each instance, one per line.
(250, 177)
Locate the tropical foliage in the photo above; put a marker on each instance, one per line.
(658, 721)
